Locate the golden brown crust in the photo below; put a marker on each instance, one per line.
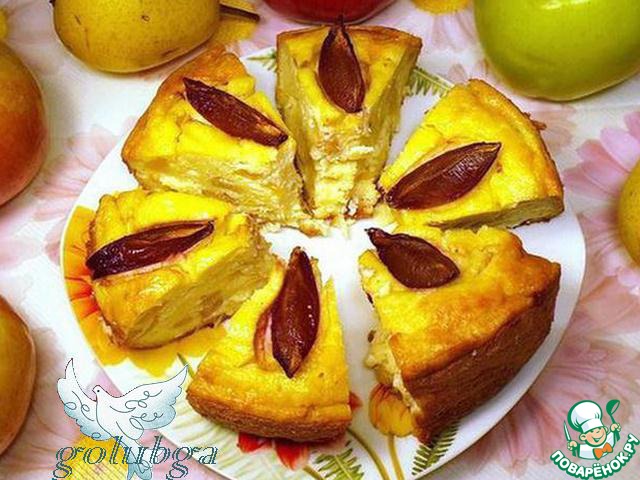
(453, 391)
(121, 337)
(522, 213)
(242, 420)
(483, 89)
(215, 67)
(556, 187)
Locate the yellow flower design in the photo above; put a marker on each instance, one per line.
(388, 413)
(441, 6)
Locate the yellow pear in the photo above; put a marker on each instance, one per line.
(17, 373)
(129, 36)
(629, 214)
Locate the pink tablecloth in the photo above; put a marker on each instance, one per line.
(595, 141)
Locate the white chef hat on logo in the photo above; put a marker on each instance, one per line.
(585, 416)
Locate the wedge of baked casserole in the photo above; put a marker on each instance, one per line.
(208, 132)
(280, 370)
(340, 90)
(460, 313)
(165, 264)
(475, 160)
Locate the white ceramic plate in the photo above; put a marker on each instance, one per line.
(560, 240)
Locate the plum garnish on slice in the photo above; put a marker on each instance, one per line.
(339, 71)
(232, 115)
(147, 247)
(294, 316)
(413, 261)
(447, 177)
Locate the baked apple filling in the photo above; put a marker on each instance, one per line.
(162, 270)
(381, 360)
(208, 132)
(340, 90)
(475, 160)
(449, 347)
(280, 370)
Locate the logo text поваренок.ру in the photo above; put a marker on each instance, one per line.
(599, 441)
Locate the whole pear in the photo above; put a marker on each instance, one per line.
(17, 373)
(133, 35)
(629, 215)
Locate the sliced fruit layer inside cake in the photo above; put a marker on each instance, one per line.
(165, 264)
(280, 370)
(340, 91)
(209, 132)
(475, 160)
(459, 314)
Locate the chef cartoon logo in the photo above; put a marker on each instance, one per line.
(597, 440)
(592, 440)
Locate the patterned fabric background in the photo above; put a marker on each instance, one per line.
(595, 141)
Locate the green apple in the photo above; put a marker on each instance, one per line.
(560, 49)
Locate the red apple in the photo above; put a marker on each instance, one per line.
(328, 11)
(17, 373)
(22, 125)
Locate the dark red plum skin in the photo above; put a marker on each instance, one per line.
(339, 71)
(444, 179)
(295, 314)
(232, 115)
(413, 261)
(147, 247)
